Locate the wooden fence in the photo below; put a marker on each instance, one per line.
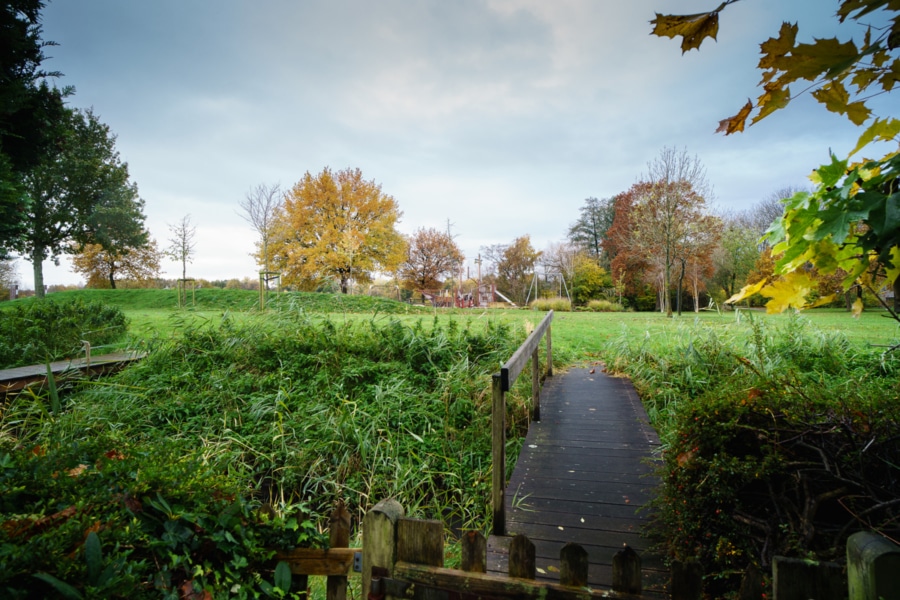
(502, 383)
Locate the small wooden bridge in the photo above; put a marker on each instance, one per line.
(584, 475)
(15, 380)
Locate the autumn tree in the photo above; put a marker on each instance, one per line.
(588, 279)
(595, 219)
(628, 266)
(260, 207)
(669, 223)
(514, 265)
(430, 256)
(337, 225)
(849, 221)
(103, 268)
(78, 194)
(182, 243)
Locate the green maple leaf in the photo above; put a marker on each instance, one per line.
(879, 130)
(775, 48)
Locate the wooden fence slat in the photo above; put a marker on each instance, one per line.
(338, 537)
(573, 566)
(420, 542)
(797, 579)
(379, 539)
(318, 561)
(687, 580)
(627, 571)
(521, 558)
(535, 385)
(473, 552)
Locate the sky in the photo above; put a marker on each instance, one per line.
(497, 118)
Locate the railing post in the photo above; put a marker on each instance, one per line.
(380, 539)
(549, 352)
(535, 386)
(498, 454)
(338, 537)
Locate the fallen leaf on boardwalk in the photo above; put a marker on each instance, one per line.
(541, 571)
(592, 371)
(553, 569)
(582, 519)
(560, 527)
(532, 446)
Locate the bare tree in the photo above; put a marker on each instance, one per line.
(181, 244)
(260, 207)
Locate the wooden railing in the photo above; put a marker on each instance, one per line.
(502, 383)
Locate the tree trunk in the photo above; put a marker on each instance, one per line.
(112, 280)
(37, 263)
(897, 295)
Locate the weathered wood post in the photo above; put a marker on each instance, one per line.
(573, 566)
(473, 557)
(535, 385)
(421, 542)
(796, 579)
(498, 454)
(338, 537)
(687, 580)
(873, 566)
(549, 353)
(521, 558)
(627, 571)
(380, 539)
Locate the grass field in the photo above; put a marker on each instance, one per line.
(585, 335)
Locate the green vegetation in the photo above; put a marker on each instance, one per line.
(241, 427)
(780, 442)
(604, 306)
(555, 304)
(34, 332)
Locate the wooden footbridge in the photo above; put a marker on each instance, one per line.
(13, 381)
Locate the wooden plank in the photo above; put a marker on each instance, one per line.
(318, 561)
(547, 553)
(573, 566)
(379, 539)
(473, 557)
(521, 558)
(420, 541)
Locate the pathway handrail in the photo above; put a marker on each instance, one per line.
(501, 383)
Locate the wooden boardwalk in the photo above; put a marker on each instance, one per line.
(581, 477)
(17, 379)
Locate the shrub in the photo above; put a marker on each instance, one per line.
(38, 331)
(781, 446)
(604, 306)
(555, 304)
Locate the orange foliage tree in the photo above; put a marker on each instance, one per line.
(336, 225)
(430, 255)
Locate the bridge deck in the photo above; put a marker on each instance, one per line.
(582, 476)
(16, 379)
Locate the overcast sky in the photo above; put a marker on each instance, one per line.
(500, 116)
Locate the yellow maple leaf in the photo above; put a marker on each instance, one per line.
(737, 122)
(747, 291)
(788, 292)
(693, 29)
(857, 308)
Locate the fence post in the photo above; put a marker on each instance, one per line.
(687, 580)
(796, 579)
(338, 537)
(380, 539)
(573, 566)
(627, 571)
(498, 454)
(873, 566)
(474, 552)
(521, 558)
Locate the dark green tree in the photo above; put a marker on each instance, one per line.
(79, 194)
(588, 232)
(29, 111)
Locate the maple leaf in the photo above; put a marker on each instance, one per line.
(747, 291)
(737, 122)
(790, 291)
(775, 48)
(773, 98)
(857, 307)
(693, 29)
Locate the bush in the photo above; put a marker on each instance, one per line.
(781, 446)
(554, 304)
(37, 331)
(604, 306)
